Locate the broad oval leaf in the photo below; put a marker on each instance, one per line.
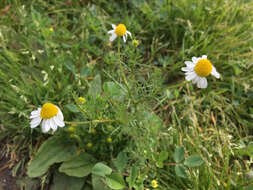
(163, 156)
(179, 154)
(98, 183)
(194, 160)
(121, 161)
(53, 150)
(101, 169)
(79, 166)
(180, 171)
(64, 182)
(115, 181)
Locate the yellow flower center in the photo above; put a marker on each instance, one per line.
(203, 68)
(48, 111)
(120, 30)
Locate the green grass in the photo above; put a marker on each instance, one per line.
(38, 65)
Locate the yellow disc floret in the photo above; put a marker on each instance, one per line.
(48, 111)
(203, 68)
(120, 30)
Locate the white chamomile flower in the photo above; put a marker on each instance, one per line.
(119, 30)
(198, 69)
(50, 115)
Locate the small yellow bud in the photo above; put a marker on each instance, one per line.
(92, 131)
(71, 129)
(154, 184)
(81, 100)
(109, 127)
(51, 29)
(135, 43)
(89, 145)
(109, 140)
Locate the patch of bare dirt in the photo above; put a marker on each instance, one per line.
(7, 182)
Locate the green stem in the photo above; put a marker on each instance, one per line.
(122, 72)
(89, 122)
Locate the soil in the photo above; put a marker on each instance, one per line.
(7, 182)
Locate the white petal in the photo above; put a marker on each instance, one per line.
(202, 83)
(110, 31)
(60, 114)
(187, 69)
(215, 73)
(189, 64)
(190, 75)
(204, 57)
(53, 125)
(194, 60)
(129, 33)
(59, 121)
(196, 79)
(35, 112)
(113, 37)
(113, 26)
(35, 122)
(124, 38)
(45, 126)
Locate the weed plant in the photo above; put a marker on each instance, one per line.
(141, 125)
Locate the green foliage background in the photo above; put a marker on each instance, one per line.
(161, 120)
